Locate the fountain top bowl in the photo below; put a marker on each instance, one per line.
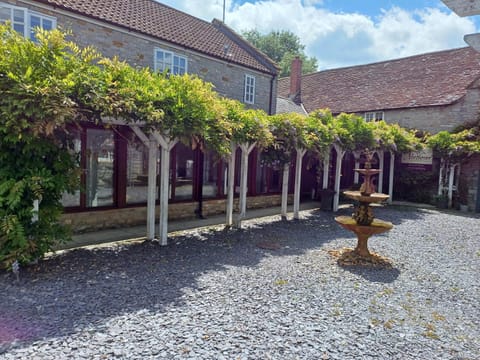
(368, 171)
(372, 198)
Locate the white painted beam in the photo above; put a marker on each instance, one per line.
(152, 186)
(326, 168)
(381, 159)
(141, 135)
(230, 184)
(356, 175)
(286, 174)
(338, 172)
(464, 7)
(246, 150)
(390, 177)
(451, 177)
(440, 177)
(298, 181)
(166, 145)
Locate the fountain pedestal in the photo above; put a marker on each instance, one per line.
(363, 232)
(362, 222)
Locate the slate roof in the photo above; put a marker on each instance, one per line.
(288, 106)
(165, 23)
(433, 79)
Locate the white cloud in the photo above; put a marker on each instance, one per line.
(342, 39)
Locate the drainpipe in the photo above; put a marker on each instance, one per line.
(270, 106)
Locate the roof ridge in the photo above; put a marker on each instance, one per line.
(165, 23)
(382, 62)
(245, 45)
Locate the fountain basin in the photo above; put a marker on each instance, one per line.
(363, 232)
(372, 198)
(376, 227)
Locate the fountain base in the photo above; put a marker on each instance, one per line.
(363, 232)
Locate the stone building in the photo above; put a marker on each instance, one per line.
(429, 92)
(146, 33)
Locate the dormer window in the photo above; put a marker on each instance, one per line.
(374, 116)
(25, 21)
(169, 61)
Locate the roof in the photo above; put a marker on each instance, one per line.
(165, 23)
(433, 79)
(288, 106)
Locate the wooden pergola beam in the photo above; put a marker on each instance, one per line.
(464, 7)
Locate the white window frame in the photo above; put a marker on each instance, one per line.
(42, 18)
(172, 68)
(249, 89)
(27, 15)
(374, 116)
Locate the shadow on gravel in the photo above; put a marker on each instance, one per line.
(378, 275)
(82, 288)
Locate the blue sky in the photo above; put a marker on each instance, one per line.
(346, 32)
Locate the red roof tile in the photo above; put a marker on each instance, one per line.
(432, 79)
(165, 23)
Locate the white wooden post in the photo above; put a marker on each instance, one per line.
(338, 171)
(166, 145)
(390, 177)
(36, 207)
(356, 175)
(152, 146)
(246, 150)
(326, 165)
(298, 180)
(381, 158)
(286, 174)
(152, 186)
(440, 176)
(451, 177)
(231, 185)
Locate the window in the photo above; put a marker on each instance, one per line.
(374, 116)
(170, 62)
(269, 176)
(137, 171)
(100, 153)
(25, 21)
(41, 21)
(249, 96)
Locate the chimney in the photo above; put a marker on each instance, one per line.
(296, 80)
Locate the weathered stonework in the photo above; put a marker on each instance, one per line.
(117, 218)
(438, 118)
(138, 50)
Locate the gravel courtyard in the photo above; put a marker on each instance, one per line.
(268, 291)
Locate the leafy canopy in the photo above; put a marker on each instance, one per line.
(282, 47)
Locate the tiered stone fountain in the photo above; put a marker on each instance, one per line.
(362, 222)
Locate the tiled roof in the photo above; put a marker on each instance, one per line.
(288, 106)
(165, 23)
(432, 79)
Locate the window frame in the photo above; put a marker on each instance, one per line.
(373, 116)
(173, 69)
(249, 89)
(27, 19)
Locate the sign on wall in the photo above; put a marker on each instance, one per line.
(418, 160)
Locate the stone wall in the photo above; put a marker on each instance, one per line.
(116, 218)
(437, 118)
(138, 50)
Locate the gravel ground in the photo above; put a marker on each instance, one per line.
(268, 291)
